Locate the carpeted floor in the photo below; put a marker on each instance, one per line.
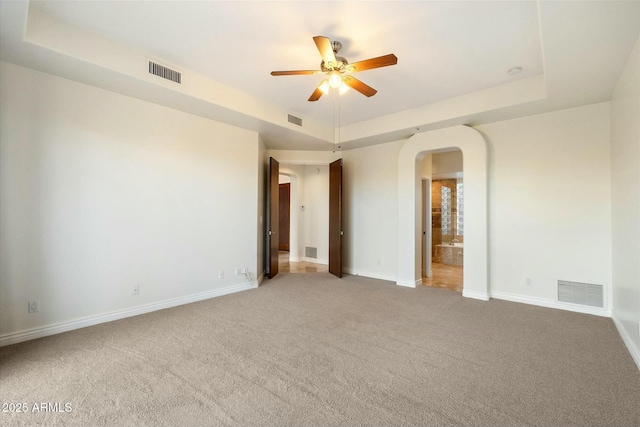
(315, 350)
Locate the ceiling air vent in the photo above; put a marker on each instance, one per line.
(295, 120)
(581, 293)
(164, 72)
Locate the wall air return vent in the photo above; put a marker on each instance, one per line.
(165, 73)
(295, 120)
(581, 293)
(310, 252)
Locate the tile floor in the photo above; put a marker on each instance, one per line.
(444, 276)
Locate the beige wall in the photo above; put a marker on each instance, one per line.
(100, 192)
(625, 195)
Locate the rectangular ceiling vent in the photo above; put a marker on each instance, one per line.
(165, 73)
(295, 120)
(310, 252)
(581, 293)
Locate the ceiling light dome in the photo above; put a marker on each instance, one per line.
(335, 80)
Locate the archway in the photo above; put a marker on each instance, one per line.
(474, 151)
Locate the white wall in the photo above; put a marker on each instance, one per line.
(371, 210)
(549, 202)
(315, 216)
(100, 192)
(447, 163)
(625, 195)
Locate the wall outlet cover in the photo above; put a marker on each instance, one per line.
(34, 306)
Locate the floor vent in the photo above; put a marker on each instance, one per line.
(310, 252)
(581, 293)
(295, 120)
(165, 73)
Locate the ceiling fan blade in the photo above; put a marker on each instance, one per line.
(367, 64)
(294, 73)
(356, 84)
(316, 94)
(326, 51)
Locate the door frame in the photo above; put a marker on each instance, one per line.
(273, 206)
(426, 228)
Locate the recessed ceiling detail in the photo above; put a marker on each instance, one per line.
(453, 68)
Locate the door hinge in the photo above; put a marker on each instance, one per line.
(342, 233)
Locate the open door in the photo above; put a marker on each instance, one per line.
(285, 216)
(273, 218)
(335, 218)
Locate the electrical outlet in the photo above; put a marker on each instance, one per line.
(529, 281)
(34, 306)
(221, 274)
(238, 271)
(135, 290)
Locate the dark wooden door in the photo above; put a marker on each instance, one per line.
(285, 205)
(273, 218)
(335, 218)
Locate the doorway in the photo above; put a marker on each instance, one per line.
(474, 149)
(305, 224)
(443, 220)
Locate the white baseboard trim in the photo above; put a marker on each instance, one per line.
(542, 302)
(368, 274)
(258, 282)
(44, 331)
(316, 261)
(409, 284)
(626, 338)
(475, 295)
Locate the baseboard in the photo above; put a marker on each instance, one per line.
(44, 331)
(542, 302)
(368, 274)
(316, 261)
(483, 296)
(626, 338)
(258, 282)
(408, 284)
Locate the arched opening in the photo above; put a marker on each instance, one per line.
(473, 147)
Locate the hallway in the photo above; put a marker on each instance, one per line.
(285, 266)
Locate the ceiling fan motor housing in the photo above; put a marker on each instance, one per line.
(341, 61)
(341, 64)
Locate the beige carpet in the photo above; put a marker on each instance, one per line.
(316, 350)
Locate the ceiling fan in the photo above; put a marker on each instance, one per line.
(336, 67)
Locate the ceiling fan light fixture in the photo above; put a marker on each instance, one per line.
(335, 80)
(343, 88)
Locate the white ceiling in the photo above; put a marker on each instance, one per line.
(571, 53)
